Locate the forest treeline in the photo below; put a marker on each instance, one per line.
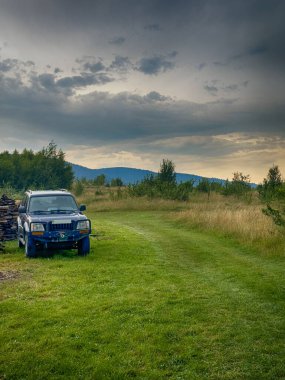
(45, 169)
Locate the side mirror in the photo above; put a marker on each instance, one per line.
(82, 207)
(22, 209)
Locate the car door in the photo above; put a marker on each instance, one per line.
(22, 217)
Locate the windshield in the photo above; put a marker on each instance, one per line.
(52, 204)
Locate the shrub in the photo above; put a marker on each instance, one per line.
(116, 182)
(275, 214)
(78, 188)
(239, 186)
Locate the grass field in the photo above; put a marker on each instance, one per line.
(155, 299)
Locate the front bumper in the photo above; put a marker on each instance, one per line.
(59, 239)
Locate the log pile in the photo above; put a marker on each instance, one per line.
(8, 220)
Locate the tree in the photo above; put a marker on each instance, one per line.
(100, 180)
(240, 185)
(78, 188)
(273, 186)
(44, 169)
(204, 186)
(116, 182)
(274, 179)
(163, 185)
(167, 172)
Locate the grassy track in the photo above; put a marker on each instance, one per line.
(154, 300)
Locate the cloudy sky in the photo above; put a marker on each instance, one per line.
(128, 82)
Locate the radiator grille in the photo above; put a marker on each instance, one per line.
(61, 227)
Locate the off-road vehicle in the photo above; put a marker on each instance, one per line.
(52, 219)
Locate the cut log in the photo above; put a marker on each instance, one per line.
(8, 220)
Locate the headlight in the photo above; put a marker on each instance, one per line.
(37, 227)
(83, 225)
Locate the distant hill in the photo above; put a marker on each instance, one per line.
(130, 175)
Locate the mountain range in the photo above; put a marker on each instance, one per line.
(130, 175)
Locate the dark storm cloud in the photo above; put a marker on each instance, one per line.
(117, 41)
(63, 16)
(83, 80)
(216, 146)
(231, 88)
(156, 96)
(89, 63)
(17, 72)
(259, 49)
(68, 84)
(8, 64)
(94, 67)
(121, 64)
(14, 65)
(215, 87)
(47, 81)
(249, 52)
(234, 30)
(57, 70)
(152, 27)
(213, 90)
(225, 32)
(157, 64)
(103, 117)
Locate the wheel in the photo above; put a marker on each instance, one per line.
(83, 246)
(20, 244)
(30, 248)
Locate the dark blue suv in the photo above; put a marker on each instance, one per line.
(52, 219)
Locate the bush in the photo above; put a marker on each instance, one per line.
(116, 182)
(276, 215)
(78, 188)
(153, 187)
(239, 186)
(204, 186)
(11, 192)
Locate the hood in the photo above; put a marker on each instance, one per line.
(64, 218)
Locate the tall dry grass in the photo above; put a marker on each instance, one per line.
(235, 218)
(239, 218)
(134, 204)
(115, 199)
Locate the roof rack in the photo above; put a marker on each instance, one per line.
(31, 191)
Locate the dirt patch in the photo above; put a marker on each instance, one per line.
(8, 275)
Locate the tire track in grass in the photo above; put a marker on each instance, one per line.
(186, 249)
(232, 298)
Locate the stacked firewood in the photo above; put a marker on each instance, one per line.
(8, 220)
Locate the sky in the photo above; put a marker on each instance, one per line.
(128, 82)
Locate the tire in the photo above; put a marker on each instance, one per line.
(20, 244)
(83, 246)
(30, 248)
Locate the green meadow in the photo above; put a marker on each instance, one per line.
(157, 298)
